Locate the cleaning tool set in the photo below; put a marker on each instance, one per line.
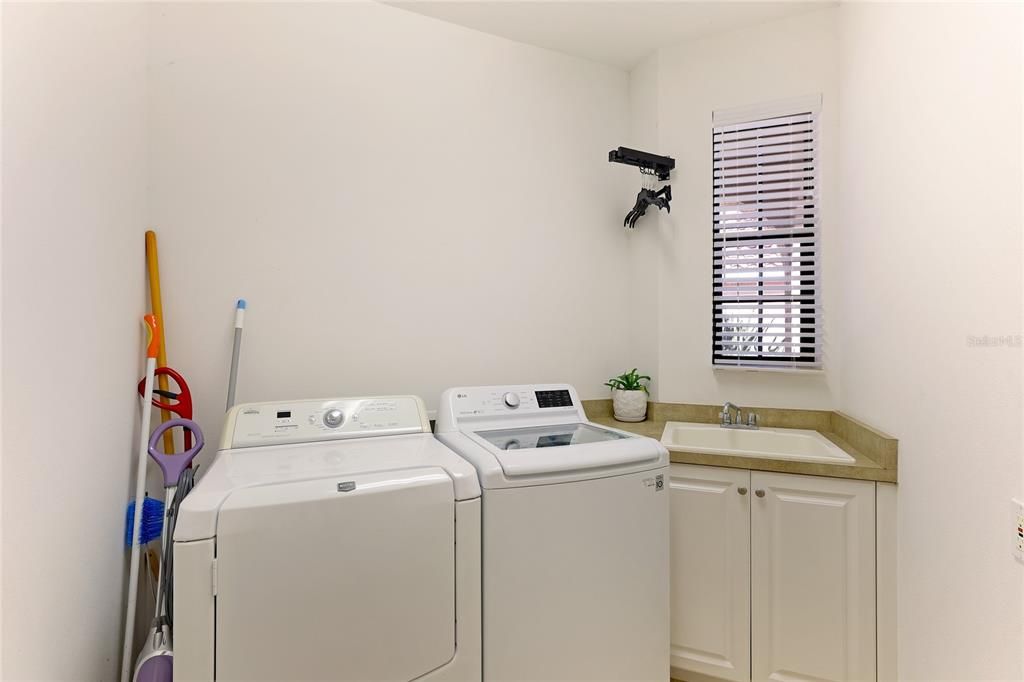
(148, 518)
(178, 401)
(140, 492)
(155, 661)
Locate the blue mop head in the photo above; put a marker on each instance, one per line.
(152, 521)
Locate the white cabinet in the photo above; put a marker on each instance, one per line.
(710, 559)
(773, 576)
(812, 578)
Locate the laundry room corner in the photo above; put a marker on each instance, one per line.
(647, 243)
(491, 341)
(771, 61)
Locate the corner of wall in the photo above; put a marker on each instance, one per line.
(644, 240)
(786, 57)
(2, 676)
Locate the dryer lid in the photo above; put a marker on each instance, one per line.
(333, 461)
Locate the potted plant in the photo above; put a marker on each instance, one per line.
(629, 396)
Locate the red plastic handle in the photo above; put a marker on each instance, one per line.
(182, 406)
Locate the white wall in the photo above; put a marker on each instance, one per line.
(1, 356)
(73, 214)
(645, 240)
(406, 204)
(773, 61)
(931, 241)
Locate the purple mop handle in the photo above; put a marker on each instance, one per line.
(173, 464)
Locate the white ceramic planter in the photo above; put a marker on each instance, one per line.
(629, 406)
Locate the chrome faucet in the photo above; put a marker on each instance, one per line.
(726, 421)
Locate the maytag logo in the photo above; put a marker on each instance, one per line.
(346, 486)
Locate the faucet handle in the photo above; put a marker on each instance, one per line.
(724, 417)
(752, 419)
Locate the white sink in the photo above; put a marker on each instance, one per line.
(796, 444)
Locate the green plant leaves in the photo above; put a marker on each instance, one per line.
(629, 381)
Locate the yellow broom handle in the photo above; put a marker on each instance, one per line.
(153, 266)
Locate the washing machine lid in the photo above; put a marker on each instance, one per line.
(549, 435)
(333, 462)
(325, 580)
(563, 448)
(537, 434)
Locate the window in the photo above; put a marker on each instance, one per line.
(766, 265)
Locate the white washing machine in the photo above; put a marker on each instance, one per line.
(575, 536)
(329, 540)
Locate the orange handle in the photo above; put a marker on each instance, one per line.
(153, 343)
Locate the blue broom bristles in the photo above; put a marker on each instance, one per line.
(152, 521)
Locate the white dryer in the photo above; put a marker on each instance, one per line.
(575, 536)
(329, 540)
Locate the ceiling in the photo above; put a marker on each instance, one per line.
(619, 33)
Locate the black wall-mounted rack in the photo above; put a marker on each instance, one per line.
(659, 165)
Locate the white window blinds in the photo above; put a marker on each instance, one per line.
(766, 261)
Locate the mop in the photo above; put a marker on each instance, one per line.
(155, 661)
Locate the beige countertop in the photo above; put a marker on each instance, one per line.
(875, 454)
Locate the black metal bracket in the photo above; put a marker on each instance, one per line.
(659, 165)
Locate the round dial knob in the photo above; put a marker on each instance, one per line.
(512, 400)
(333, 418)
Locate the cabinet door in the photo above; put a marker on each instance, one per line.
(710, 565)
(812, 578)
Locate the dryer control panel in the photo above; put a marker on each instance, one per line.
(307, 421)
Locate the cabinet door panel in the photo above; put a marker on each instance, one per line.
(812, 578)
(710, 588)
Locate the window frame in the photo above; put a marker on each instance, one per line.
(805, 344)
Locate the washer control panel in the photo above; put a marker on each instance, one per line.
(304, 421)
(499, 401)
